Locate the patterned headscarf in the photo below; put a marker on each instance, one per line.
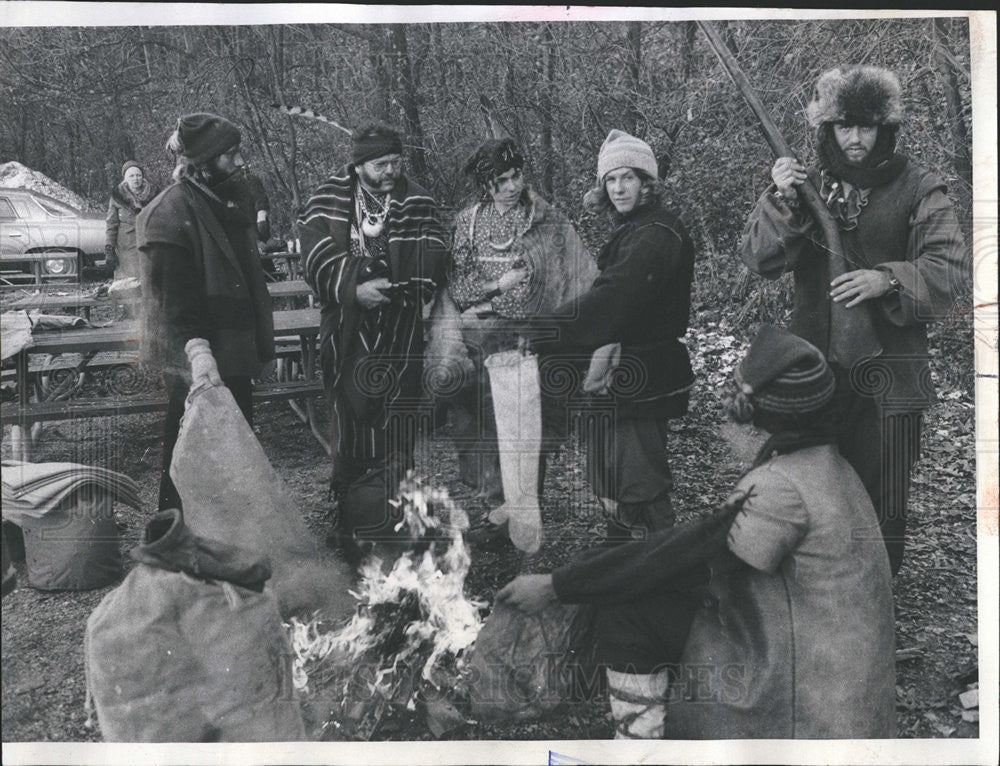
(492, 159)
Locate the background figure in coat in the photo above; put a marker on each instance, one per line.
(903, 242)
(640, 300)
(374, 253)
(793, 637)
(121, 251)
(516, 259)
(206, 303)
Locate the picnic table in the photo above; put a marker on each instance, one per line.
(80, 301)
(84, 346)
(290, 258)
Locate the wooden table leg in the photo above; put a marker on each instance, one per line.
(21, 433)
(309, 372)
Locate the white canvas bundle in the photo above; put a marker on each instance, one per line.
(517, 404)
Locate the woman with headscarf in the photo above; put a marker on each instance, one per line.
(128, 198)
(516, 258)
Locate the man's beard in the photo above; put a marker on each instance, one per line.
(230, 187)
(383, 186)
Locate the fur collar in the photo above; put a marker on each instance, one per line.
(124, 197)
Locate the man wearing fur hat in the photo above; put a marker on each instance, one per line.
(374, 253)
(906, 265)
(207, 312)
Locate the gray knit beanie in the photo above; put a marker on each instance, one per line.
(620, 150)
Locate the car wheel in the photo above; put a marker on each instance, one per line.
(59, 265)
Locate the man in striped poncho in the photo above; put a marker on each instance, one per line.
(374, 253)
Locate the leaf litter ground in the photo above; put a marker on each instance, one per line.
(936, 627)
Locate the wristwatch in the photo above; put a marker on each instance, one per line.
(792, 202)
(894, 286)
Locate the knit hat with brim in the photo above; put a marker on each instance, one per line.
(784, 374)
(858, 95)
(620, 150)
(204, 136)
(130, 164)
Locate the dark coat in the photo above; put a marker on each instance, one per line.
(641, 299)
(907, 228)
(205, 281)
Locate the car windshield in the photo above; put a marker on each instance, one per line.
(56, 209)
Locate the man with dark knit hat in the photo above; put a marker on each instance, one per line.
(207, 312)
(791, 635)
(374, 253)
(907, 264)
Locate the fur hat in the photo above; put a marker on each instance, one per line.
(859, 95)
(373, 140)
(620, 150)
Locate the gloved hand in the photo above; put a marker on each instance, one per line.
(204, 370)
(110, 257)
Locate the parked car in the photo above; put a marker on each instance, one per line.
(44, 240)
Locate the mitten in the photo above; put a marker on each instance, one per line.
(203, 366)
(110, 257)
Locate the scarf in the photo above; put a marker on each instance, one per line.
(790, 441)
(882, 165)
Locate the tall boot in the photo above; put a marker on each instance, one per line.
(638, 704)
(518, 413)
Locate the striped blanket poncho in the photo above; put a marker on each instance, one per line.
(372, 358)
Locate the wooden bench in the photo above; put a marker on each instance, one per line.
(39, 412)
(295, 333)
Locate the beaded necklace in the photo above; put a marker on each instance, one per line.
(370, 220)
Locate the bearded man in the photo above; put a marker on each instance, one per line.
(373, 252)
(207, 312)
(907, 264)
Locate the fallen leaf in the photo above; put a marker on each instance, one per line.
(29, 685)
(973, 638)
(969, 699)
(970, 716)
(911, 653)
(442, 716)
(945, 731)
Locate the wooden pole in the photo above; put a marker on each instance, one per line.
(852, 334)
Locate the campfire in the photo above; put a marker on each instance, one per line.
(405, 645)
